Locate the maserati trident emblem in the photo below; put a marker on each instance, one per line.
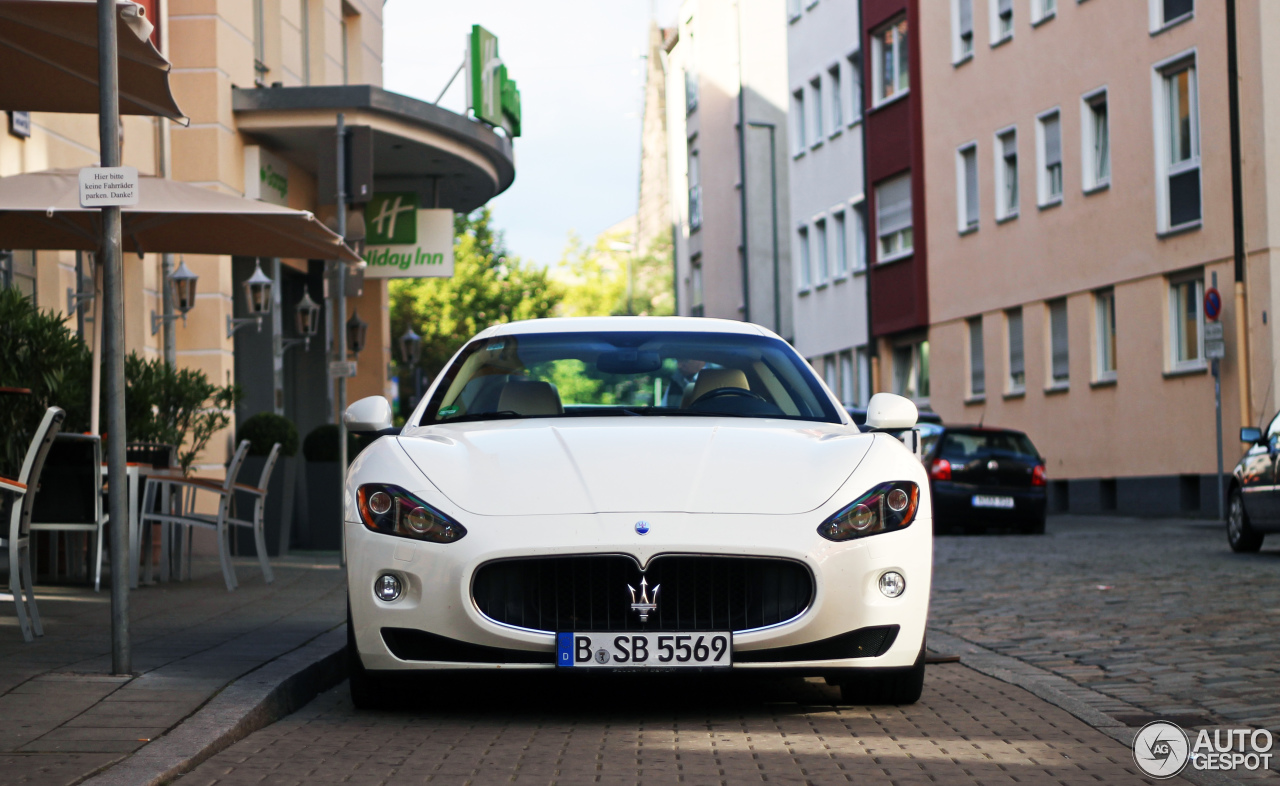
(647, 603)
(642, 527)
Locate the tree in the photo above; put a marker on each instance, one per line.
(595, 278)
(488, 286)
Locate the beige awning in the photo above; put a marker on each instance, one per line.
(49, 59)
(41, 210)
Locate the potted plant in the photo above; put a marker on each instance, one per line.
(263, 431)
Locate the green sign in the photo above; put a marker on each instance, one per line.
(391, 219)
(491, 95)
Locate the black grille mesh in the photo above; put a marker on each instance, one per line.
(589, 593)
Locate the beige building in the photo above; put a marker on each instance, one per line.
(1079, 206)
(262, 82)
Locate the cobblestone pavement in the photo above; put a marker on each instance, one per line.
(1157, 616)
(967, 729)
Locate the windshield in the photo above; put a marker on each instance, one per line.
(627, 374)
(966, 445)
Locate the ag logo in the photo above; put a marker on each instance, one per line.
(1161, 749)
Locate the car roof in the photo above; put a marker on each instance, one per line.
(625, 324)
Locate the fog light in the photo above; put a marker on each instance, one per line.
(892, 584)
(387, 587)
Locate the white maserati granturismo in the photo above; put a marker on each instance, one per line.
(637, 494)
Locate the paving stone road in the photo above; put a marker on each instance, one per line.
(1137, 617)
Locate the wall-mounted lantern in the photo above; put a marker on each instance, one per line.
(182, 286)
(307, 314)
(257, 295)
(357, 332)
(410, 347)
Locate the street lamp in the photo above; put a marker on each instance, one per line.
(307, 313)
(257, 295)
(182, 285)
(410, 353)
(357, 331)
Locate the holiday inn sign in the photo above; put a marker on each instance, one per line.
(405, 241)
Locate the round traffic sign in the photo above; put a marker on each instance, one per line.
(1212, 304)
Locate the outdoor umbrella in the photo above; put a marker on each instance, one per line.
(41, 210)
(49, 59)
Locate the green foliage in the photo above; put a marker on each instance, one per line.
(322, 444)
(595, 278)
(488, 286)
(174, 406)
(39, 352)
(264, 430)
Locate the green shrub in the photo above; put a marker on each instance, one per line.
(322, 443)
(264, 430)
(174, 406)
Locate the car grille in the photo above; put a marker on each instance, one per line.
(589, 593)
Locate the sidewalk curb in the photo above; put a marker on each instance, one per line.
(255, 700)
(1043, 684)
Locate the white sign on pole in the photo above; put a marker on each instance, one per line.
(102, 186)
(431, 254)
(342, 368)
(1215, 346)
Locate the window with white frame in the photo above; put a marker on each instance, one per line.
(841, 243)
(1001, 15)
(977, 359)
(962, 27)
(864, 375)
(1095, 136)
(806, 273)
(967, 187)
(855, 87)
(911, 370)
(1186, 321)
(695, 190)
(820, 249)
(815, 85)
(1017, 381)
(797, 111)
(860, 235)
(1178, 145)
(837, 98)
(1104, 308)
(695, 285)
(893, 218)
(848, 386)
(1042, 10)
(1059, 346)
(1049, 150)
(1007, 174)
(890, 69)
(1168, 12)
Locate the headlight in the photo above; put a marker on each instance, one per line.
(888, 507)
(391, 510)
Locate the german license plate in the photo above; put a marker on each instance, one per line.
(988, 501)
(643, 650)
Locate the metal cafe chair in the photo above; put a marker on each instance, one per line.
(259, 495)
(70, 497)
(18, 539)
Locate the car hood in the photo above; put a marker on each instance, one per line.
(703, 465)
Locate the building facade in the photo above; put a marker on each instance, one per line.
(1082, 207)
(827, 199)
(728, 63)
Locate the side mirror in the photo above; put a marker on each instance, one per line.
(887, 411)
(1251, 435)
(372, 414)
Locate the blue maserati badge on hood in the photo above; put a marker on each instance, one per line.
(642, 527)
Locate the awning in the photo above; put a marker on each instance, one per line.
(41, 210)
(49, 59)
(449, 160)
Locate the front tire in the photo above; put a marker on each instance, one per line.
(885, 686)
(368, 691)
(1241, 536)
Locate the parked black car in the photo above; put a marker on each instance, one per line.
(1253, 501)
(985, 476)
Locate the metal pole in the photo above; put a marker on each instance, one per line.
(340, 326)
(113, 340)
(742, 178)
(1217, 404)
(773, 188)
(1243, 371)
(79, 289)
(166, 305)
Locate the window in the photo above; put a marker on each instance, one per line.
(1104, 306)
(977, 359)
(837, 99)
(1043, 10)
(1186, 321)
(690, 91)
(1095, 135)
(797, 103)
(1049, 142)
(860, 236)
(893, 218)
(864, 375)
(793, 10)
(962, 23)
(967, 187)
(695, 191)
(18, 271)
(806, 273)
(695, 285)
(1167, 12)
(848, 390)
(855, 87)
(820, 247)
(1007, 174)
(830, 374)
(816, 86)
(889, 64)
(911, 370)
(841, 245)
(1001, 21)
(1178, 146)
(1017, 359)
(1060, 365)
